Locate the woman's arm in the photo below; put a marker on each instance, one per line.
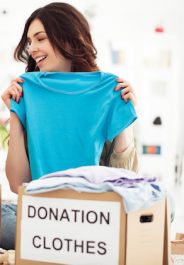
(122, 152)
(123, 140)
(17, 165)
(127, 159)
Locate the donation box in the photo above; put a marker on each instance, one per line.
(79, 228)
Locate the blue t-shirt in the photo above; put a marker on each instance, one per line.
(68, 117)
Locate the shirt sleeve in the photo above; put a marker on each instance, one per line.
(121, 115)
(19, 109)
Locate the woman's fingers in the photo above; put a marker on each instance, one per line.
(14, 93)
(17, 86)
(18, 80)
(126, 90)
(121, 85)
(127, 93)
(130, 96)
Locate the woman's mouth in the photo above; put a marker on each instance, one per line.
(39, 60)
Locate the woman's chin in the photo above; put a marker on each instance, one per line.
(44, 69)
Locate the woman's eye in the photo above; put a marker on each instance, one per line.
(40, 39)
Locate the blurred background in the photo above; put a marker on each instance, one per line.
(142, 42)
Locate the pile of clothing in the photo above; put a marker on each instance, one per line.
(136, 191)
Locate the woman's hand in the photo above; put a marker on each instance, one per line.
(13, 91)
(127, 91)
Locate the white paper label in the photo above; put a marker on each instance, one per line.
(68, 231)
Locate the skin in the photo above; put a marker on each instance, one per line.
(17, 166)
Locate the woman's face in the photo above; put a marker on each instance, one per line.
(41, 50)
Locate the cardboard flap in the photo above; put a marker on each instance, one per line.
(177, 247)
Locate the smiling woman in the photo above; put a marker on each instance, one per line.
(64, 108)
(39, 47)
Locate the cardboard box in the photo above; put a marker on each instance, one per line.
(177, 246)
(68, 227)
(177, 249)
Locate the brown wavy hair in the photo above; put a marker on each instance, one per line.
(65, 27)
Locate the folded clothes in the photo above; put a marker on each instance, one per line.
(137, 192)
(96, 174)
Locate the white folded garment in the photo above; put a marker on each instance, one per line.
(137, 192)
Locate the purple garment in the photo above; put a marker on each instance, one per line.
(128, 181)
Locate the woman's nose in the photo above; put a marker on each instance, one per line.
(32, 48)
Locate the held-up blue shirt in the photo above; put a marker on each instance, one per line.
(68, 117)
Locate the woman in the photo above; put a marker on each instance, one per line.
(57, 40)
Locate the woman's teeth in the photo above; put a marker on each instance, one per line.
(39, 59)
